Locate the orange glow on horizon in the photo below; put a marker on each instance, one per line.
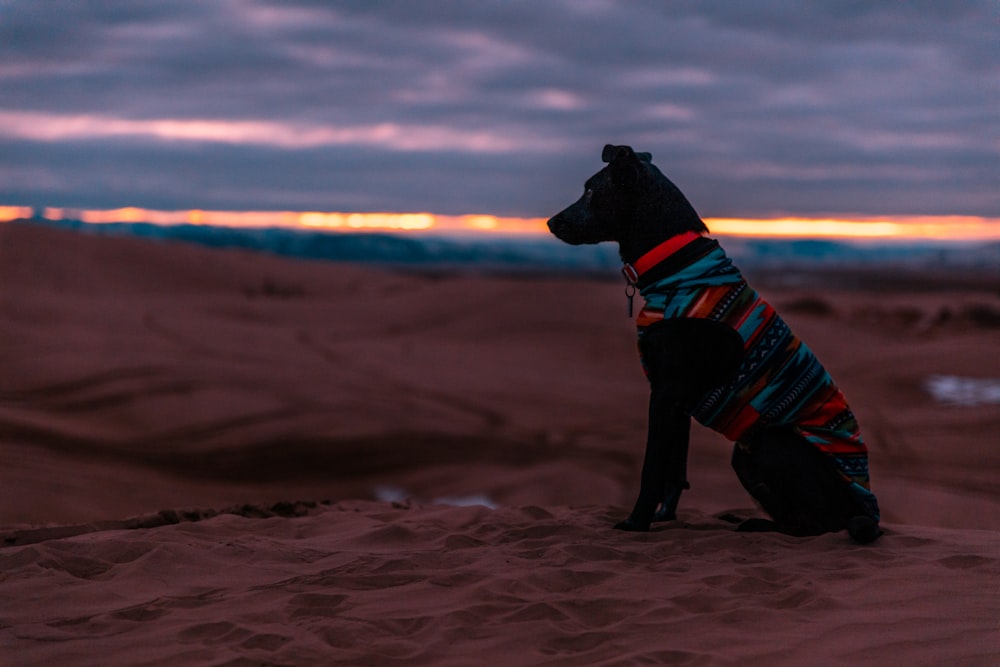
(8, 213)
(953, 227)
(402, 221)
(957, 228)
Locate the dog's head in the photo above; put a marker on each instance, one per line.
(629, 201)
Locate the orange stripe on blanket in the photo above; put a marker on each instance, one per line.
(743, 420)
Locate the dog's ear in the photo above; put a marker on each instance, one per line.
(612, 153)
(623, 163)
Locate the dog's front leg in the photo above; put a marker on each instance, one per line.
(664, 466)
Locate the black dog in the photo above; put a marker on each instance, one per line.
(714, 350)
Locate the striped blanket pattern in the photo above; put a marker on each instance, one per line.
(780, 382)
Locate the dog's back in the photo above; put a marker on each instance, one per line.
(779, 382)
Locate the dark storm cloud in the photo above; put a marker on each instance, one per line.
(500, 107)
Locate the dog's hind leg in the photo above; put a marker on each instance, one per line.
(799, 488)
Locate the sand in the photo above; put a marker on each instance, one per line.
(223, 458)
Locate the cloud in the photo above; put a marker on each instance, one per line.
(455, 107)
(389, 136)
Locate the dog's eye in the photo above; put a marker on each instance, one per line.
(588, 193)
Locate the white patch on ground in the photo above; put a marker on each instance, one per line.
(394, 494)
(390, 494)
(955, 390)
(467, 501)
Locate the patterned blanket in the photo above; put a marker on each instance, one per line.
(780, 382)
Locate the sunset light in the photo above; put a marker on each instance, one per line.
(902, 227)
(939, 228)
(8, 213)
(403, 221)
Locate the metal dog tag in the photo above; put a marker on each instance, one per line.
(631, 278)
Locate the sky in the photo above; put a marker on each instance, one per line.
(771, 108)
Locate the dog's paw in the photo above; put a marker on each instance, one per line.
(863, 529)
(632, 525)
(665, 514)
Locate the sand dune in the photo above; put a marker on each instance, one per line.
(368, 583)
(162, 407)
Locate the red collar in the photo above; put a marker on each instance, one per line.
(633, 272)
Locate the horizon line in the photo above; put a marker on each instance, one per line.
(902, 227)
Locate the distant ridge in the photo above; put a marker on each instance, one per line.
(470, 251)
(542, 253)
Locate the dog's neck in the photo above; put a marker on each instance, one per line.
(663, 251)
(654, 219)
(632, 249)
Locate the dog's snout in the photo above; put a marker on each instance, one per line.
(562, 228)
